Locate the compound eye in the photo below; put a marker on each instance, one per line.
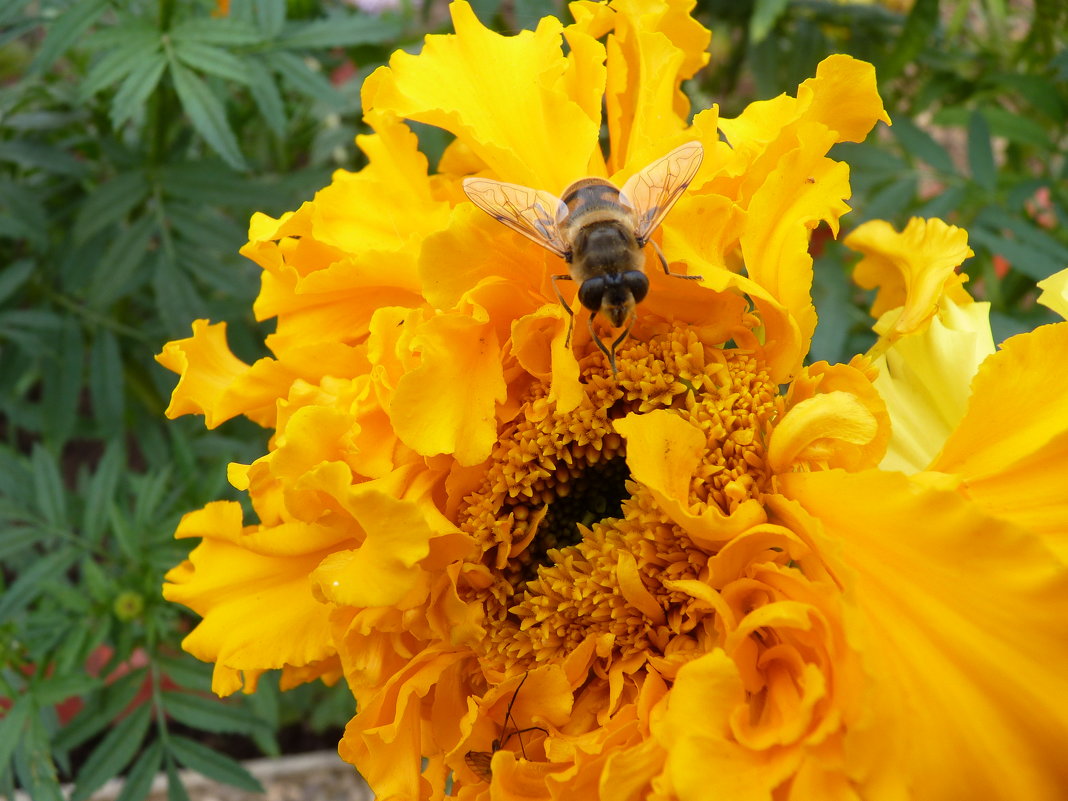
(590, 293)
(637, 283)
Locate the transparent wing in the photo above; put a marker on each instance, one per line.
(533, 213)
(479, 762)
(651, 193)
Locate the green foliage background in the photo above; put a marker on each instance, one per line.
(136, 139)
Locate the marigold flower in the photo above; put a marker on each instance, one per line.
(719, 573)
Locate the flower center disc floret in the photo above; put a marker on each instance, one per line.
(558, 511)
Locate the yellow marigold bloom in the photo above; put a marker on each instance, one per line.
(700, 578)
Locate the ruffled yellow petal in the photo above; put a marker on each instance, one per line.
(383, 570)
(448, 403)
(1011, 447)
(207, 369)
(235, 575)
(1055, 293)
(655, 47)
(913, 270)
(959, 617)
(844, 97)
(506, 98)
(925, 379)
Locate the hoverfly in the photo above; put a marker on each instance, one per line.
(479, 761)
(600, 230)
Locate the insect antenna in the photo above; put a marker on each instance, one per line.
(479, 761)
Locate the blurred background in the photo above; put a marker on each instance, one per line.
(136, 139)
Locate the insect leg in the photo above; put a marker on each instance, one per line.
(664, 264)
(571, 319)
(610, 354)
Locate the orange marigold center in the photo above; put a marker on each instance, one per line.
(571, 546)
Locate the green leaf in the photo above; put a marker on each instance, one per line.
(11, 728)
(109, 203)
(14, 276)
(175, 788)
(919, 144)
(49, 492)
(267, 97)
(307, 81)
(58, 688)
(61, 386)
(765, 14)
(136, 88)
(207, 182)
(65, 31)
(22, 215)
(102, 489)
(944, 203)
(139, 778)
(341, 31)
(35, 769)
(1017, 127)
(209, 714)
(31, 583)
(187, 672)
(207, 114)
(218, 30)
(100, 711)
(106, 385)
(917, 34)
(980, 152)
(36, 155)
(891, 201)
(211, 59)
(113, 753)
(1022, 256)
(212, 764)
(135, 51)
(125, 256)
(270, 16)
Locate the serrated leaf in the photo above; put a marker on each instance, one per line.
(31, 155)
(113, 753)
(917, 34)
(186, 672)
(49, 493)
(102, 490)
(295, 72)
(270, 15)
(217, 30)
(127, 253)
(920, 144)
(212, 764)
(35, 769)
(133, 52)
(207, 182)
(981, 152)
(765, 14)
(11, 728)
(14, 276)
(207, 114)
(175, 788)
(177, 300)
(109, 203)
(136, 88)
(31, 583)
(61, 387)
(211, 59)
(106, 385)
(100, 711)
(57, 688)
(265, 93)
(140, 776)
(1024, 258)
(209, 714)
(341, 31)
(65, 31)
